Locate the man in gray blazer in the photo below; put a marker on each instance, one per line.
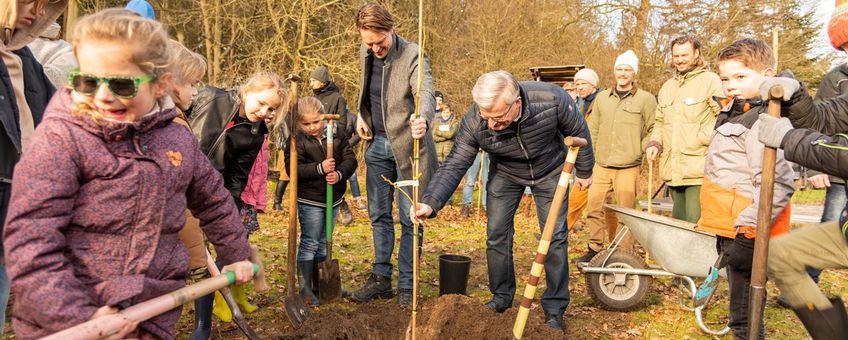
(386, 108)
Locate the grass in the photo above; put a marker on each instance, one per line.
(661, 318)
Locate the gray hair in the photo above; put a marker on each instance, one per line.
(493, 85)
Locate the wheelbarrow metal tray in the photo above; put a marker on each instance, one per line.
(673, 244)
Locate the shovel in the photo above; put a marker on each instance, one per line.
(238, 317)
(329, 279)
(574, 144)
(111, 324)
(295, 308)
(757, 292)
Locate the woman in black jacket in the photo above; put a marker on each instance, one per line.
(314, 172)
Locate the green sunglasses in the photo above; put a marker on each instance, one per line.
(121, 87)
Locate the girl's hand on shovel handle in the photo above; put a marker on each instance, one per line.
(242, 269)
(128, 328)
(332, 178)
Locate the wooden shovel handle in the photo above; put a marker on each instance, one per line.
(260, 284)
(111, 324)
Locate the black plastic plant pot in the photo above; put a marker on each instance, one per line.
(453, 274)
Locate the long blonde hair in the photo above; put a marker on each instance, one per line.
(266, 80)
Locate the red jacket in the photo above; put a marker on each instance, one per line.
(94, 216)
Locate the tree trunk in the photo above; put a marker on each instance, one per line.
(71, 17)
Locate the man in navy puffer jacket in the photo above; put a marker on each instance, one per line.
(521, 126)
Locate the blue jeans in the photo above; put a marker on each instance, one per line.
(834, 203)
(354, 186)
(504, 197)
(380, 162)
(471, 179)
(4, 295)
(313, 232)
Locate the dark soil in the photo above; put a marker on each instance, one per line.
(447, 317)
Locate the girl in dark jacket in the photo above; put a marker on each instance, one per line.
(315, 171)
(100, 195)
(231, 129)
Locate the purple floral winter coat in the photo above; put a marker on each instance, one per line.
(94, 216)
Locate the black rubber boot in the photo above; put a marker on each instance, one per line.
(316, 278)
(278, 194)
(306, 269)
(202, 318)
(825, 324)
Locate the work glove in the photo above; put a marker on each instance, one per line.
(740, 254)
(772, 130)
(790, 86)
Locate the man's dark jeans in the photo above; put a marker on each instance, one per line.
(380, 162)
(504, 195)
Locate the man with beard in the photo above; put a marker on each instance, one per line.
(621, 122)
(684, 122)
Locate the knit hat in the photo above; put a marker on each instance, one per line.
(837, 29)
(321, 74)
(143, 8)
(587, 75)
(628, 58)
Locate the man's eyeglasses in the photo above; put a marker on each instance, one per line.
(121, 87)
(502, 117)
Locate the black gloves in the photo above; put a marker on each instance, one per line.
(740, 254)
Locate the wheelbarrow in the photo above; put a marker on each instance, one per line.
(620, 280)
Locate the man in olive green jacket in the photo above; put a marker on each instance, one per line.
(684, 124)
(445, 127)
(622, 122)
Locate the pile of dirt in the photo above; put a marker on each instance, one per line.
(446, 317)
(378, 320)
(462, 317)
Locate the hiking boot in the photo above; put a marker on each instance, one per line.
(590, 254)
(465, 211)
(345, 216)
(404, 297)
(553, 321)
(496, 306)
(377, 287)
(360, 203)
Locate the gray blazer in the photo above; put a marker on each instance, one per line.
(400, 84)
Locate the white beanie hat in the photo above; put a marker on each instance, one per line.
(628, 58)
(587, 75)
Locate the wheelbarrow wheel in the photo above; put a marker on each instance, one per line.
(618, 292)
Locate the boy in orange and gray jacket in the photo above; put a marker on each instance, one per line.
(733, 170)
